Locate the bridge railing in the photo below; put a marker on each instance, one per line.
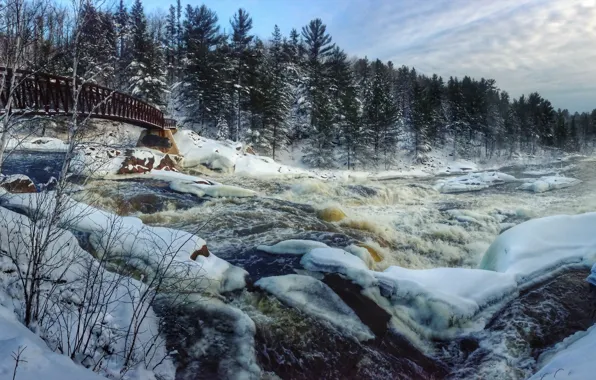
(41, 93)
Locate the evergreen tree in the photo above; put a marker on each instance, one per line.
(318, 48)
(241, 39)
(147, 75)
(276, 96)
(96, 44)
(122, 23)
(199, 92)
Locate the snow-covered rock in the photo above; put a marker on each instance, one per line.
(570, 359)
(544, 184)
(472, 182)
(17, 183)
(332, 260)
(292, 247)
(539, 247)
(316, 299)
(198, 150)
(76, 299)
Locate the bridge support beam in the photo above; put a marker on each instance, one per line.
(159, 139)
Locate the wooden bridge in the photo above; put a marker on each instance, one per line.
(38, 93)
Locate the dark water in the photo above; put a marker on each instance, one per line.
(40, 167)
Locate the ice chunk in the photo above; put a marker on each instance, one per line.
(541, 247)
(292, 247)
(472, 182)
(316, 299)
(212, 190)
(331, 260)
(544, 184)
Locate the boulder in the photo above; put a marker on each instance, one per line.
(17, 184)
(167, 164)
(331, 214)
(136, 164)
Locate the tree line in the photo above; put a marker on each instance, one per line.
(297, 89)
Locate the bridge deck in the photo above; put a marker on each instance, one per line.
(46, 94)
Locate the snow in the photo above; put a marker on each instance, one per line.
(146, 248)
(316, 299)
(440, 297)
(433, 301)
(472, 182)
(212, 190)
(331, 260)
(540, 247)
(458, 167)
(549, 183)
(592, 277)
(39, 362)
(292, 247)
(198, 150)
(38, 144)
(572, 359)
(66, 306)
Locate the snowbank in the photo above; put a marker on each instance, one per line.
(316, 299)
(109, 304)
(544, 184)
(472, 182)
(292, 247)
(38, 361)
(179, 256)
(539, 247)
(572, 359)
(38, 144)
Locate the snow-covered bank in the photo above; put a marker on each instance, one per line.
(37, 360)
(37, 144)
(85, 311)
(182, 258)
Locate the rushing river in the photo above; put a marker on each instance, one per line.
(407, 223)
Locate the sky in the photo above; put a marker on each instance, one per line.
(547, 46)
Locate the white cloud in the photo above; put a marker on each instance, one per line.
(526, 45)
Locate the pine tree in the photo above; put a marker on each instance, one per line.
(276, 96)
(199, 92)
(241, 39)
(96, 44)
(421, 117)
(561, 130)
(147, 75)
(318, 48)
(122, 23)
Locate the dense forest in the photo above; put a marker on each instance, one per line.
(295, 89)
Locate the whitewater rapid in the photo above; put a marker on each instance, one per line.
(405, 222)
